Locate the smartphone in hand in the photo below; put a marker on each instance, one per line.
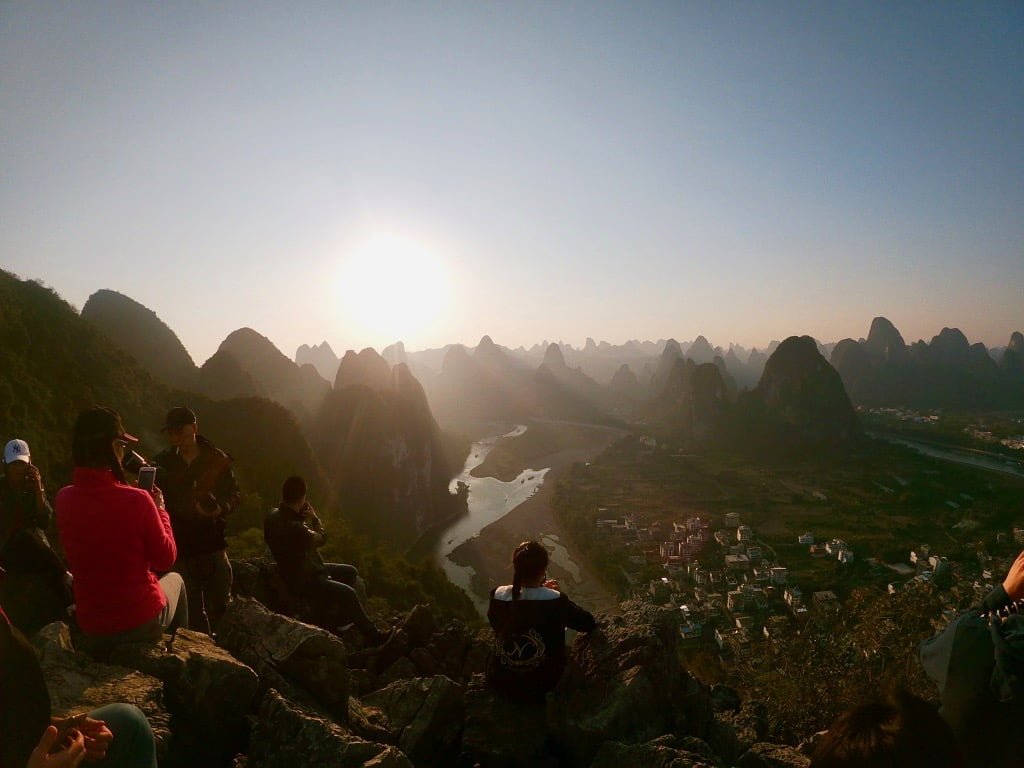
(64, 729)
(147, 478)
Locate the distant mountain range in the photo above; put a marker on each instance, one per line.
(947, 372)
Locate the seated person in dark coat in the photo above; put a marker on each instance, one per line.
(529, 618)
(978, 663)
(294, 534)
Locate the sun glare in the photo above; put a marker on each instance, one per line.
(392, 289)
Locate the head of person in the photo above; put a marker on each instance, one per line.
(293, 492)
(180, 426)
(17, 461)
(99, 440)
(898, 729)
(529, 564)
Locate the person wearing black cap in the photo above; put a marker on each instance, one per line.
(117, 539)
(201, 491)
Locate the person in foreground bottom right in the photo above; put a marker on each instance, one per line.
(978, 664)
(895, 731)
(529, 618)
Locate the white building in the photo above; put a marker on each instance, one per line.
(807, 538)
(744, 533)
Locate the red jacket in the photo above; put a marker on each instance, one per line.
(114, 539)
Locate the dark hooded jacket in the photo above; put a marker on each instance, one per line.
(978, 664)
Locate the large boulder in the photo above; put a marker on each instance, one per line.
(207, 690)
(276, 646)
(425, 715)
(78, 684)
(286, 735)
(498, 733)
(625, 684)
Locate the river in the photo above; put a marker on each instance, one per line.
(489, 500)
(972, 458)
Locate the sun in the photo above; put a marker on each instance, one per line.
(391, 288)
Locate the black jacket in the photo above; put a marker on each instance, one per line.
(209, 477)
(293, 539)
(528, 653)
(24, 547)
(978, 664)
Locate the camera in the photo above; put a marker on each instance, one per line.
(209, 503)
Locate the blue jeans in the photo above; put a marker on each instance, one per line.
(134, 745)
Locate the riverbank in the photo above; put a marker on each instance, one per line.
(489, 552)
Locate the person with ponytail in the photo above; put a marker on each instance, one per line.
(117, 539)
(529, 618)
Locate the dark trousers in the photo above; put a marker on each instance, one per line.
(338, 589)
(208, 583)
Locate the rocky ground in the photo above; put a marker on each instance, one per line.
(274, 691)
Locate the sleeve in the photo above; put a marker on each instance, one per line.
(41, 513)
(578, 618)
(226, 489)
(317, 527)
(158, 538)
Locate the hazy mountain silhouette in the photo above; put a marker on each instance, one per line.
(799, 402)
(700, 351)
(379, 442)
(321, 357)
(947, 372)
(302, 390)
(222, 377)
(137, 330)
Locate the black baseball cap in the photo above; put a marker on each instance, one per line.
(178, 417)
(101, 422)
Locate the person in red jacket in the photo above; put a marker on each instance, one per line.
(116, 539)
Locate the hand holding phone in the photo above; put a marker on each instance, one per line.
(147, 478)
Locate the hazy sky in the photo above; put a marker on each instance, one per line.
(359, 172)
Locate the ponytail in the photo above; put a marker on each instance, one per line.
(529, 560)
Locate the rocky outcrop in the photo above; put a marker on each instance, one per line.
(286, 734)
(277, 647)
(78, 684)
(424, 715)
(207, 691)
(322, 700)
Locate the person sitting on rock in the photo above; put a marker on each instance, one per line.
(116, 538)
(977, 661)
(36, 591)
(529, 618)
(114, 736)
(898, 729)
(294, 533)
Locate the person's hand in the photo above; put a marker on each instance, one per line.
(97, 738)
(158, 498)
(33, 480)
(68, 755)
(551, 584)
(1014, 581)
